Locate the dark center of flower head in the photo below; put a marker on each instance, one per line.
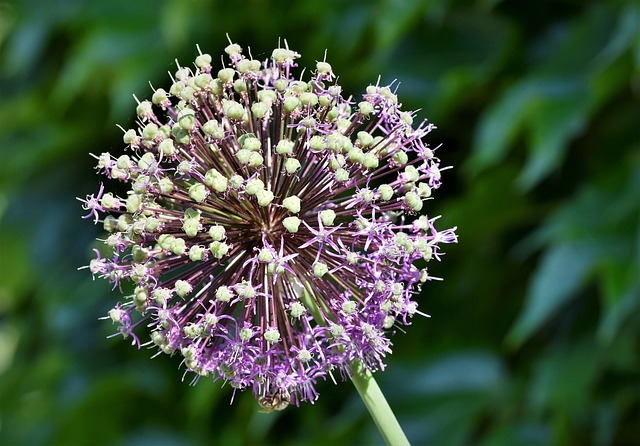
(264, 230)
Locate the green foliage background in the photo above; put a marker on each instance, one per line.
(535, 333)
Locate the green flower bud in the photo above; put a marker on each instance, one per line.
(280, 55)
(144, 109)
(138, 273)
(190, 227)
(356, 155)
(413, 200)
(284, 147)
(259, 110)
(166, 241)
(267, 97)
(187, 93)
(110, 223)
(337, 330)
(265, 255)
(290, 104)
(253, 186)
(165, 185)
(400, 157)
(244, 156)
(216, 180)
(166, 147)
(124, 162)
(337, 161)
(342, 175)
(203, 80)
(140, 296)
(180, 134)
(385, 191)
(297, 310)
(265, 197)
(406, 118)
(226, 75)
(182, 288)
(411, 174)
(146, 161)
(191, 331)
(317, 143)
(246, 334)
(134, 203)
(224, 294)
(281, 84)
(365, 139)
(179, 246)
(309, 123)
(151, 224)
(366, 195)
(272, 335)
(299, 87)
(239, 86)
(150, 131)
(309, 99)
(327, 216)
(187, 119)
(236, 181)
(233, 110)
(139, 254)
(291, 165)
(217, 233)
(176, 88)
(203, 61)
(255, 160)
(320, 269)
(424, 190)
(249, 142)
(291, 224)
(323, 68)
(233, 49)
(370, 161)
(365, 108)
(246, 65)
(160, 97)
(349, 307)
(218, 249)
(162, 295)
(304, 355)
(182, 74)
(325, 100)
(292, 204)
(333, 114)
(196, 253)
(108, 201)
(198, 192)
(246, 291)
(213, 129)
(210, 320)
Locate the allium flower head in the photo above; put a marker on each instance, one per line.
(271, 234)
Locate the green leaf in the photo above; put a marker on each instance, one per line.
(562, 271)
(558, 117)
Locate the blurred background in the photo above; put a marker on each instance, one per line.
(534, 337)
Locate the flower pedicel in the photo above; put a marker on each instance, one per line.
(265, 237)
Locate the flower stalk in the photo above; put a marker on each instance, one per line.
(377, 405)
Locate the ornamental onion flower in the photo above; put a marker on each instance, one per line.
(271, 232)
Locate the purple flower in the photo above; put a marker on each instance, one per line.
(271, 233)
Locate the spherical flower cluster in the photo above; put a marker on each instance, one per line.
(271, 234)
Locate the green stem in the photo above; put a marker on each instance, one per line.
(377, 406)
